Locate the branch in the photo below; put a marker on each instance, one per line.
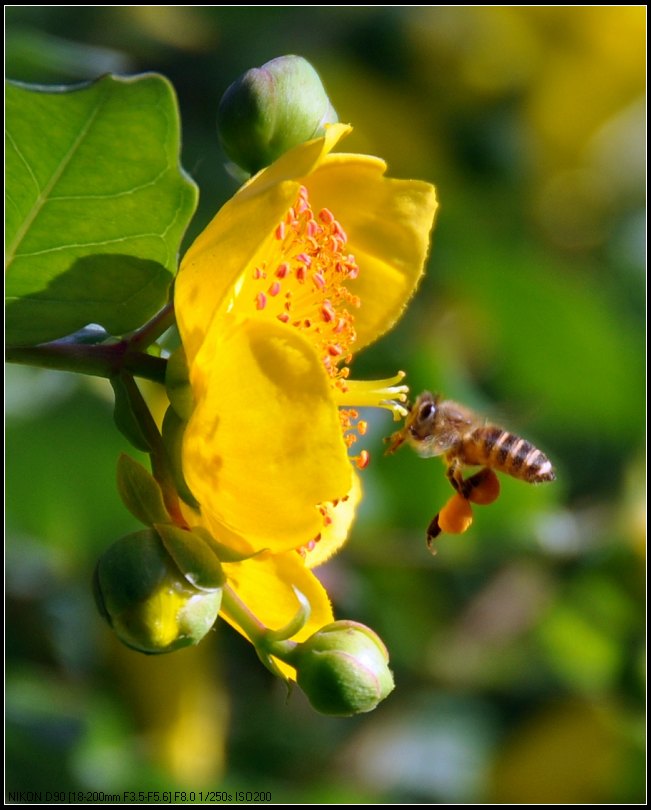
(98, 361)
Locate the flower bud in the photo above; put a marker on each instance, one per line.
(343, 669)
(147, 601)
(271, 109)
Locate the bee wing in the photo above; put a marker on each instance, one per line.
(456, 421)
(458, 414)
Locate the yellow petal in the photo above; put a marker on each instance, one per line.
(219, 255)
(296, 164)
(238, 235)
(335, 534)
(264, 445)
(388, 223)
(266, 586)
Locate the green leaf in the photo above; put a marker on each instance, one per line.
(96, 205)
(124, 416)
(194, 557)
(140, 492)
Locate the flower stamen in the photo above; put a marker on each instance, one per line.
(312, 242)
(362, 460)
(387, 394)
(309, 264)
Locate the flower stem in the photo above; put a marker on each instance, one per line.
(239, 613)
(158, 454)
(260, 636)
(98, 361)
(153, 329)
(74, 353)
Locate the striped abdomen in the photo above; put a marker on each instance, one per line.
(507, 453)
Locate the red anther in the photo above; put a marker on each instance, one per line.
(260, 301)
(363, 460)
(282, 270)
(280, 231)
(312, 229)
(275, 288)
(340, 232)
(327, 312)
(326, 216)
(284, 317)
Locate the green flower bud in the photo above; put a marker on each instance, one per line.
(343, 669)
(271, 109)
(147, 601)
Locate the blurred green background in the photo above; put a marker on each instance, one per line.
(518, 650)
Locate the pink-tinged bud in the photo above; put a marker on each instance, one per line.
(271, 109)
(343, 669)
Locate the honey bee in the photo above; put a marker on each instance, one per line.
(436, 427)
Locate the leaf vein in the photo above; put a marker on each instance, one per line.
(113, 195)
(76, 245)
(56, 175)
(24, 161)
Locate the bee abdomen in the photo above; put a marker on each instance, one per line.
(510, 454)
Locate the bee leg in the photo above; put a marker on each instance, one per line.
(433, 531)
(395, 440)
(456, 479)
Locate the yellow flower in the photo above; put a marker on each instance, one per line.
(311, 260)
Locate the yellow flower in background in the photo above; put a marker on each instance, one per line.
(313, 259)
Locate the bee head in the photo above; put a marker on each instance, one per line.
(419, 424)
(423, 414)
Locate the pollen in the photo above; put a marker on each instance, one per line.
(456, 515)
(308, 260)
(363, 460)
(309, 254)
(302, 282)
